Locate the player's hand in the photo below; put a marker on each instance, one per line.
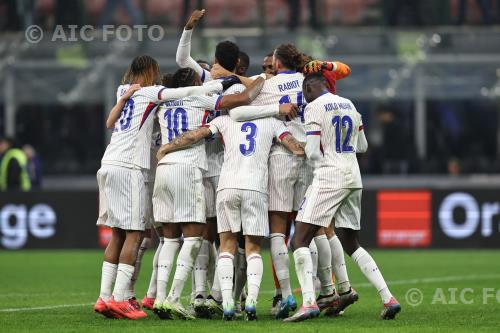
(289, 110)
(130, 91)
(229, 81)
(194, 19)
(316, 66)
(218, 71)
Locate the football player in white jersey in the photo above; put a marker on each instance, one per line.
(242, 194)
(178, 199)
(121, 180)
(334, 135)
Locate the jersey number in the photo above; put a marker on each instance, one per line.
(300, 103)
(343, 128)
(126, 116)
(251, 130)
(175, 118)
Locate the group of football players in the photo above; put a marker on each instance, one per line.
(212, 162)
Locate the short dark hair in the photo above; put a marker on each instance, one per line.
(183, 77)
(314, 78)
(167, 80)
(244, 61)
(227, 54)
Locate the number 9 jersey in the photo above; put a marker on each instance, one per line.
(339, 124)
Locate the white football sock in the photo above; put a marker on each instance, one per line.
(165, 264)
(254, 276)
(200, 269)
(372, 273)
(212, 262)
(304, 269)
(123, 276)
(281, 262)
(324, 265)
(145, 244)
(108, 277)
(241, 273)
(338, 265)
(151, 293)
(185, 262)
(314, 256)
(225, 270)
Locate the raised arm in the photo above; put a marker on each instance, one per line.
(185, 140)
(120, 104)
(340, 69)
(183, 55)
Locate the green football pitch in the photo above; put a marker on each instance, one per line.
(449, 291)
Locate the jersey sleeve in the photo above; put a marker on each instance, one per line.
(312, 121)
(153, 93)
(184, 59)
(216, 125)
(234, 89)
(208, 102)
(280, 129)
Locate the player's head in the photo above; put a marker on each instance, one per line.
(5, 144)
(204, 64)
(267, 64)
(185, 77)
(243, 65)
(143, 70)
(227, 55)
(167, 80)
(287, 57)
(314, 85)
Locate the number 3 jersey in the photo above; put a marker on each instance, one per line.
(180, 116)
(336, 120)
(246, 151)
(130, 144)
(286, 87)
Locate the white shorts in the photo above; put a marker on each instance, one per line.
(178, 194)
(321, 205)
(122, 197)
(245, 210)
(210, 184)
(289, 177)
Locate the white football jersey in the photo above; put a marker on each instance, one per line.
(285, 87)
(187, 114)
(213, 145)
(131, 139)
(247, 146)
(338, 123)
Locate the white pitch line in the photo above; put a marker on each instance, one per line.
(356, 285)
(49, 307)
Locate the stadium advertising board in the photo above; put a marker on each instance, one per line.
(390, 219)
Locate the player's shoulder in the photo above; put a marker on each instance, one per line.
(234, 89)
(147, 91)
(122, 88)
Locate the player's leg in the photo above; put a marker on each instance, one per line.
(228, 224)
(199, 275)
(150, 297)
(347, 223)
(327, 295)
(314, 256)
(240, 277)
(145, 243)
(254, 208)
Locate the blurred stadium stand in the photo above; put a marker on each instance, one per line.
(429, 95)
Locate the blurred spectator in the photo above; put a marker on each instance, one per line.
(34, 166)
(486, 7)
(294, 14)
(453, 167)
(110, 9)
(395, 142)
(19, 14)
(13, 167)
(403, 12)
